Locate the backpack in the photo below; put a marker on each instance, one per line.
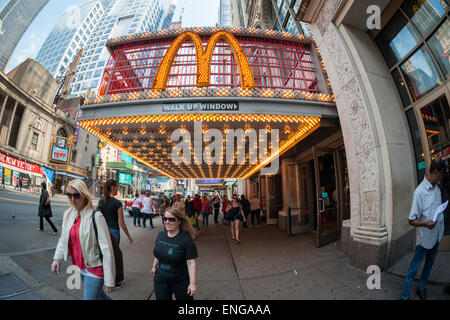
(118, 257)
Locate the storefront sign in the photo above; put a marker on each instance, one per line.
(125, 179)
(61, 143)
(23, 165)
(204, 59)
(201, 106)
(60, 150)
(60, 154)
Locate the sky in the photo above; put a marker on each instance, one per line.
(197, 13)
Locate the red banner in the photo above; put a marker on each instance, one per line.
(23, 165)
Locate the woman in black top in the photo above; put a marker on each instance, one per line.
(45, 211)
(216, 206)
(174, 267)
(234, 215)
(112, 210)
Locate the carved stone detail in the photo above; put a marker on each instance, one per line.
(345, 79)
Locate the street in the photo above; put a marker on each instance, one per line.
(19, 222)
(267, 265)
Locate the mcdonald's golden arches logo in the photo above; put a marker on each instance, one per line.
(204, 58)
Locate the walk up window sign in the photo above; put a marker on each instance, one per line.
(60, 151)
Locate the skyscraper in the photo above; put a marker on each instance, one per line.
(70, 33)
(121, 17)
(100, 20)
(15, 17)
(169, 17)
(225, 14)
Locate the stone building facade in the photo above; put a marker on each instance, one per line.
(380, 149)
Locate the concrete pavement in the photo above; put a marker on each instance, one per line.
(266, 265)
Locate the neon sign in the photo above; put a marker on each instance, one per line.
(204, 58)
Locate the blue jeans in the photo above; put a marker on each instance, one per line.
(93, 289)
(136, 215)
(419, 254)
(205, 214)
(116, 234)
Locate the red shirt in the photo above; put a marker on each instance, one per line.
(76, 253)
(224, 205)
(197, 204)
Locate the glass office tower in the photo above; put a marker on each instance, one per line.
(121, 17)
(99, 21)
(70, 33)
(15, 18)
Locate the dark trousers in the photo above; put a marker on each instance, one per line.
(216, 215)
(165, 289)
(41, 223)
(420, 253)
(150, 219)
(205, 215)
(256, 213)
(136, 216)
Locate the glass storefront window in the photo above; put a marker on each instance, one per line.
(401, 87)
(420, 73)
(418, 149)
(397, 39)
(436, 117)
(440, 45)
(424, 14)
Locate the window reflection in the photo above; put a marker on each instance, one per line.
(401, 87)
(418, 149)
(425, 14)
(397, 39)
(436, 117)
(440, 45)
(420, 73)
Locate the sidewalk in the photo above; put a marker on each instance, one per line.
(266, 265)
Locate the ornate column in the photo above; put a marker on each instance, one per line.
(378, 149)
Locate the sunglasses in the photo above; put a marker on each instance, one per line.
(73, 195)
(170, 219)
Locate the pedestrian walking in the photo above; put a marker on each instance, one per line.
(255, 210)
(112, 210)
(3, 179)
(136, 205)
(190, 211)
(148, 209)
(45, 209)
(245, 204)
(198, 209)
(20, 183)
(205, 211)
(178, 203)
(164, 205)
(235, 216)
(62, 189)
(225, 203)
(429, 233)
(174, 267)
(93, 255)
(216, 206)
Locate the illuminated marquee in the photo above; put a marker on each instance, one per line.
(204, 58)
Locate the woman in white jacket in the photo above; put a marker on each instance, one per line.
(79, 241)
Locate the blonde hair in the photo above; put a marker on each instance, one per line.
(81, 187)
(185, 225)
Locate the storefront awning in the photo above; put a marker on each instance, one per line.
(71, 175)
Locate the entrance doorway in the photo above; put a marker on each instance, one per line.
(329, 195)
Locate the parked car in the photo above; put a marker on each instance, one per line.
(128, 204)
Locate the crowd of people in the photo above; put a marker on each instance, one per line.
(91, 236)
